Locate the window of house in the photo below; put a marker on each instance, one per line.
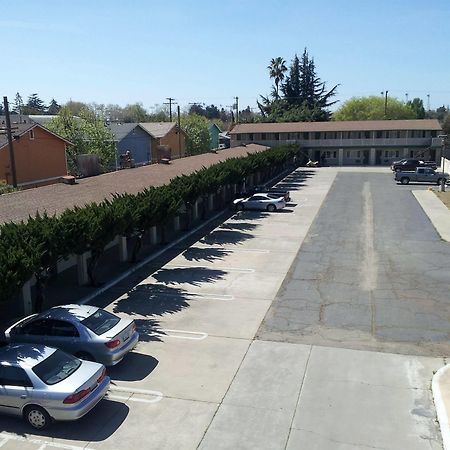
(31, 134)
(433, 133)
(238, 137)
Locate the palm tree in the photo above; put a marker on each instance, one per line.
(277, 68)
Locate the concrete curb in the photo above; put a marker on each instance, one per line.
(436, 211)
(440, 387)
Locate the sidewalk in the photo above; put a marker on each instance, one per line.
(439, 216)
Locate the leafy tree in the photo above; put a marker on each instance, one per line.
(53, 107)
(34, 105)
(277, 69)
(446, 125)
(197, 133)
(372, 108)
(135, 113)
(417, 106)
(18, 104)
(305, 96)
(88, 135)
(197, 108)
(75, 108)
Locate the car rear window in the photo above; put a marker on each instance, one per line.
(101, 321)
(57, 367)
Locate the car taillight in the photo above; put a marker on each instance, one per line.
(133, 327)
(113, 344)
(100, 378)
(74, 398)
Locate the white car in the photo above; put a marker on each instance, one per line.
(262, 202)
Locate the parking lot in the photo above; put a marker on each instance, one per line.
(198, 377)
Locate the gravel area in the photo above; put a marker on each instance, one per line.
(444, 197)
(56, 198)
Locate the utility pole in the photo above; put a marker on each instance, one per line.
(237, 108)
(179, 130)
(170, 103)
(385, 104)
(10, 142)
(428, 102)
(443, 137)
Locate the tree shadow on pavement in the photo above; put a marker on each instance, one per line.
(225, 237)
(205, 254)
(242, 226)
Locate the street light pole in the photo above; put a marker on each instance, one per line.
(443, 137)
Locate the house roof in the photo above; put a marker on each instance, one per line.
(121, 130)
(19, 129)
(158, 129)
(42, 119)
(360, 125)
(212, 125)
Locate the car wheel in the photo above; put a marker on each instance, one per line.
(404, 180)
(271, 208)
(240, 207)
(85, 356)
(37, 417)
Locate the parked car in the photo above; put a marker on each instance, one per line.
(411, 164)
(421, 174)
(274, 192)
(87, 332)
(262, 202)
(42, 384)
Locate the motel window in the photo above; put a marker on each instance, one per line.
(379, 134)
(397, 153)
(367, 134)
(411, 153)
(250, 136)
(306, 136)
(348, 153)
(31, 134)
(334, 154)
(317, 135)
(386, 154)
(433, 134)
(277, 136)
(263, 136)
(345, 135)
(358, 153)
(238, 137)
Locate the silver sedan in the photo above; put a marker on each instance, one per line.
(42, 384)
(87, 332)
(263, 202)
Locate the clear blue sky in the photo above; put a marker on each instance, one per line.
(209, 51)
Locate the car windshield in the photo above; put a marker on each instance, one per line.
(101, 321)
(57, 367)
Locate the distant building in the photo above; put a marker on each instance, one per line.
(134, 138)
(224, 140)
(167, 135)
(39, 154)
(365, 142)
(214, 132)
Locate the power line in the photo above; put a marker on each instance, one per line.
(170, 103)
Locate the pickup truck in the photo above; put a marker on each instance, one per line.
(411, 164)
(422, 174)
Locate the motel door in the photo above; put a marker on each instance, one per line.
(366, 157)
(378, 157)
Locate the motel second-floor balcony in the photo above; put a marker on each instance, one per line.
(342, 143)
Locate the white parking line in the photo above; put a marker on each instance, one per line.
(42, 444)
(2, 443)
(194, 335)
(224, 269)
(116, 388)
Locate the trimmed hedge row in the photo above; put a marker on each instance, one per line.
(32, 247)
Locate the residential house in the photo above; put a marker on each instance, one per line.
(365, 142)
(166, 136)
(214, 132)
(39, 154)
(134, 138)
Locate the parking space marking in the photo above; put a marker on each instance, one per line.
(178, 334)
(2, 443)
(224, 269)
(116, 388)
(42, 444)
